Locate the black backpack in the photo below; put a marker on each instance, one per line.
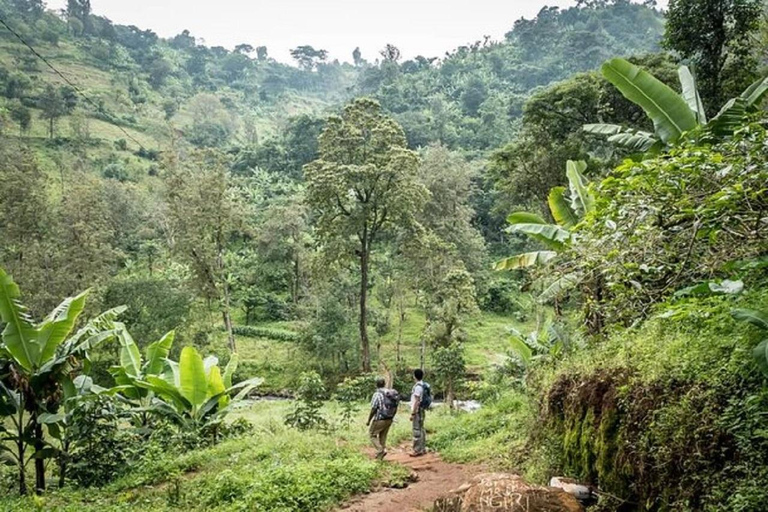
(426, 396)
(389, 403)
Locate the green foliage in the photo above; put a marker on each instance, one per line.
(155, 304)
(99, 449)
(40, 362)
(717, 36)
(265, 332)
(649, 237)
(310, 396)
(567, 213)
(385, 193)
(191, 393)
(760, 320)
(673, 115)
(350, 395)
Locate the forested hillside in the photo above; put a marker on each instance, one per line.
(566, 226)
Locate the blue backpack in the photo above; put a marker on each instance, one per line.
(426, 396)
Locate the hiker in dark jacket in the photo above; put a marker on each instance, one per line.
(383, 409)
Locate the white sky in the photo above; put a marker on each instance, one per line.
(417, 27)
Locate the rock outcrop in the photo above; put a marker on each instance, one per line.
(501, 492)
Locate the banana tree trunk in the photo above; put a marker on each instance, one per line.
(39, 444)
(21, 453)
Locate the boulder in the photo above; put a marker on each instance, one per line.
(502, 492)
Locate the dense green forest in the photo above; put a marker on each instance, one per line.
(567, 226)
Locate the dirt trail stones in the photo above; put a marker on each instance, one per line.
(501, 492)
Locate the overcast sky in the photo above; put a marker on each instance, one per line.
(417, 27)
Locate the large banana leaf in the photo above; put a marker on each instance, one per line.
(637, 141)
(551, 235)
(130, 357)
(19, 335)
(560, 286)
(528, 259)
(525, 218)
(755, 93)
(216, 387)
(582, 201)
(760, 353)
(669, 112)
(520, 348)
(157, 352)
(58, 325)
(230, 370)
(103, 322)
(194, 386)
(691, 94)
(561, 210)
(754, 317)
(166, 390)
(603, 129)
(634, 140)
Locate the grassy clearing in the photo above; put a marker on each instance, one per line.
(275, 468)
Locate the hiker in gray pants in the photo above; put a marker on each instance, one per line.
(417, 415)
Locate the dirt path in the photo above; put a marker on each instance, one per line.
(435, 478)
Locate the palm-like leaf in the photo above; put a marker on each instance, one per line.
(691, 94)
(755, 93)
(229, 371)
(130, 357)
(525, 260)
(521, 348)
(561, 210)
(760, 353)
(634, 140)
(582, 201)
(551, 235)
(525, 218)
(58, 325)
(157, 353)
(560, 286)
(19, 335)
(193, 385)
(604, 129)
(669, 112)
(754, 317)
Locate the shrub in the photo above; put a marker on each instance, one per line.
(265, 332)
(99, 449)
(309, 399)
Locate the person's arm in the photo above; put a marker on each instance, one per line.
(374, 408)
(416, 401)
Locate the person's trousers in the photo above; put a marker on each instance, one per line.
(419, 434)
(379, 430)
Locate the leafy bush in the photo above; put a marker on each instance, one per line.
(265, 332)
(650, 236)
(309, 399)
(100, 449)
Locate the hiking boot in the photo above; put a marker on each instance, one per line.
(416, 454)
(380, 456)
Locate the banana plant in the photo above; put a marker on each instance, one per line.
(133, 369)
(547, 341)
(760, 320)
(568, 208)
(37, 361)
(673, 115)
(194, 394)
